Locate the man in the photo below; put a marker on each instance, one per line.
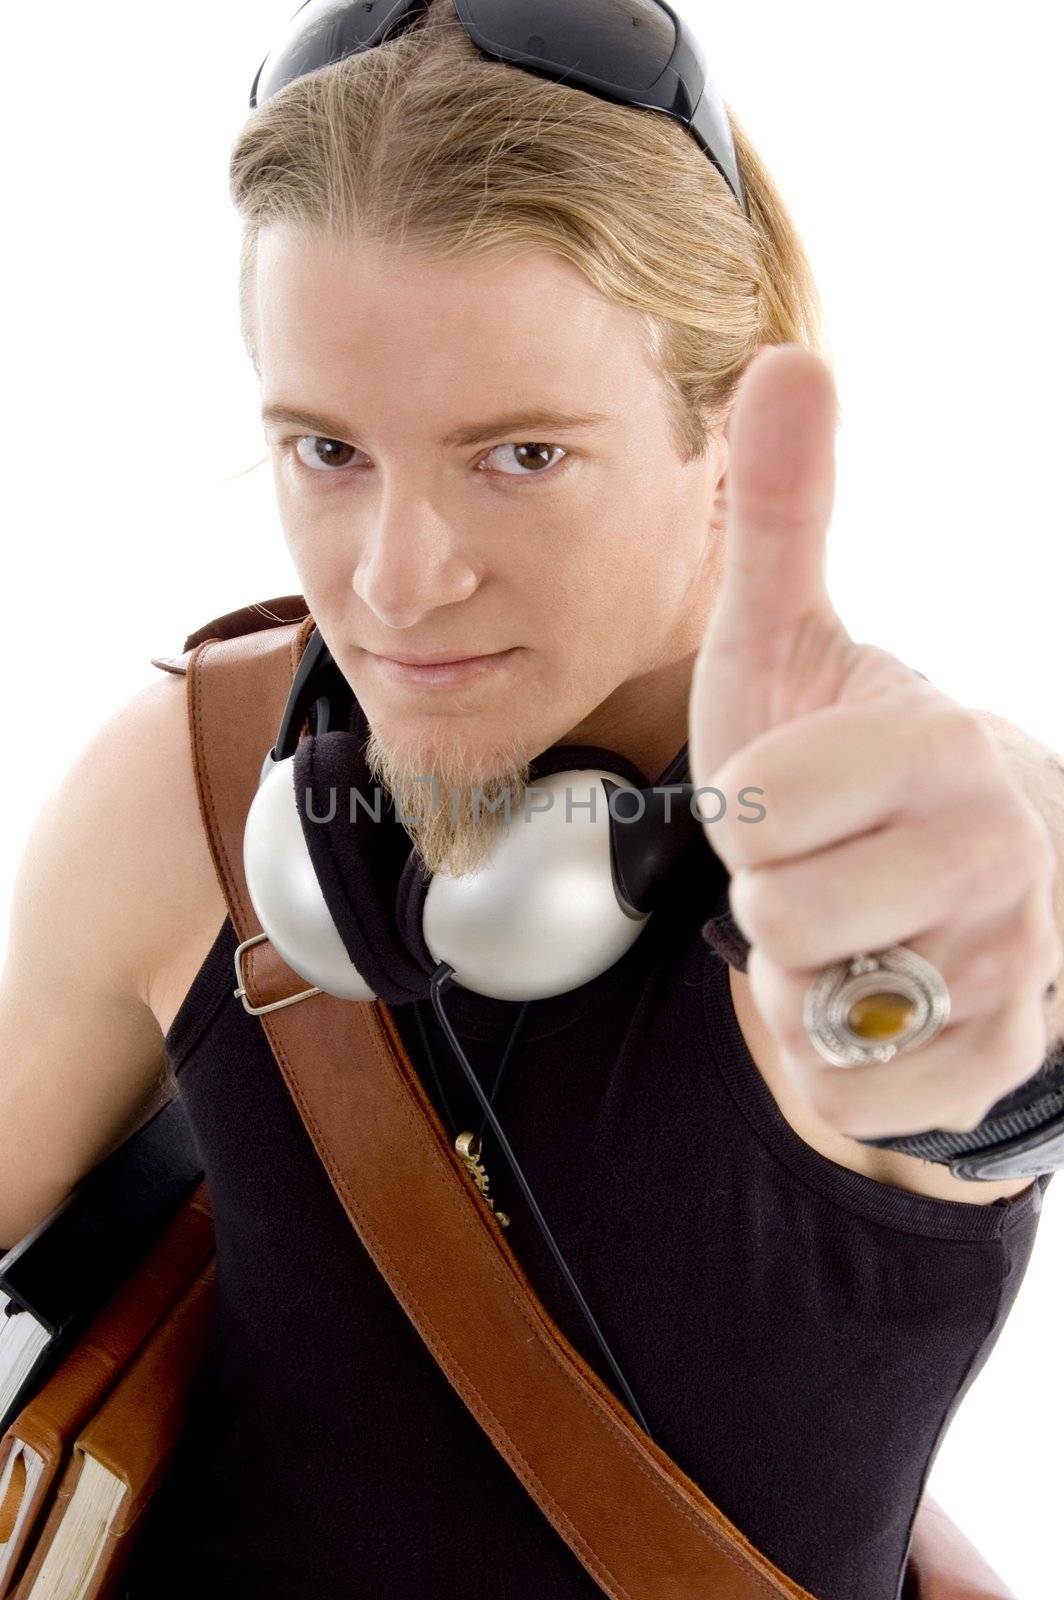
(476, 457)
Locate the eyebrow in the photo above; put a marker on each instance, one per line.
(471, 434)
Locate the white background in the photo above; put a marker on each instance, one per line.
(919, 150)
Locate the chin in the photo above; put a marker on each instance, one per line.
(457, 752)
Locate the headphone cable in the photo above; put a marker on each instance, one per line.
(442, 976)
(500, 1072)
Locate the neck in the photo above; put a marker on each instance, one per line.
(644, 718)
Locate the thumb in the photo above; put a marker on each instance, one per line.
(779, 494)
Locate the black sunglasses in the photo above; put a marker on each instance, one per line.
(637, 52)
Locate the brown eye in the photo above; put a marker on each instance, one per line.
(322, 454)
(536, 457)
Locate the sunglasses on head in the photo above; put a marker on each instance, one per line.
(637, 52)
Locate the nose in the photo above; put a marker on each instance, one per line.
(410, 562)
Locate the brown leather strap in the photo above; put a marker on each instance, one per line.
(236, 723)
(640, 1525)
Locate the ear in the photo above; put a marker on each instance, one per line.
(719, 512)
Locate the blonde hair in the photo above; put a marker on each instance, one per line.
(424, 141)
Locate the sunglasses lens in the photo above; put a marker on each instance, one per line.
(324, 31)
(625, 43)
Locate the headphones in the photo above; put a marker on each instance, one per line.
(570, 883)
(568, 887)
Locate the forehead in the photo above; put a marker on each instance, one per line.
(331, 316)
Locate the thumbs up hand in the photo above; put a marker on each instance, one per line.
(890, 816)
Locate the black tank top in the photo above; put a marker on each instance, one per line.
(798, 1336)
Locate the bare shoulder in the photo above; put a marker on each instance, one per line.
(130, 798)
(884, 1166)
(182, 892)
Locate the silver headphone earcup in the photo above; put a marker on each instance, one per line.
(541, 917)
(285, 891)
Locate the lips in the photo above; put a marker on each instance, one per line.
(439, 661)
(439, 674)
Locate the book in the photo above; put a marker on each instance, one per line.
(120, 1458)
(58, 1276)
(39, 1441)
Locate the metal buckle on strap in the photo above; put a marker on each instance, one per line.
(241, 993)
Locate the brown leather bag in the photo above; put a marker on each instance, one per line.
(640, 1525)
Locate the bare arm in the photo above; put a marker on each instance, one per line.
(81, 1053)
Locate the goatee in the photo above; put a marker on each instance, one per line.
(453, 805)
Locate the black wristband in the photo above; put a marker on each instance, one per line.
(1021, 1136)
